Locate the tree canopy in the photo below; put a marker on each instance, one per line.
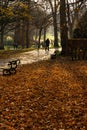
(40, 14)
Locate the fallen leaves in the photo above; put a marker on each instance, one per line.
(47, 95)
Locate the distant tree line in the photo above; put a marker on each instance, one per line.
(30, 19)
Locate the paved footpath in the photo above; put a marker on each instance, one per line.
(29, 57)
(35, 56)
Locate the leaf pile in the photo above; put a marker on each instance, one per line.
(47, 95)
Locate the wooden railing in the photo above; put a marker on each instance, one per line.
(77, 48)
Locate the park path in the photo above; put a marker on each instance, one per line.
(29, 57)
(35, 56)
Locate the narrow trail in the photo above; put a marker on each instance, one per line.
(29, 57)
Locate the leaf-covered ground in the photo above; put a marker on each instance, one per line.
(48, 95)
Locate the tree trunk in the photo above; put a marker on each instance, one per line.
(39, 36)
(55, 31)
(55, 25)
(69, 21)
(27, 28)
(17, 34)
(23, 35)
(63, 26)
(27, 36)
(54, 6)
(44, 34)
(36, 34)
(1, 40)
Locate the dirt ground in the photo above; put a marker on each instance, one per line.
(47, 95)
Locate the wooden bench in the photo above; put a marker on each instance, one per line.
(11, 67)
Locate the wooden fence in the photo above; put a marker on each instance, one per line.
(77, 48)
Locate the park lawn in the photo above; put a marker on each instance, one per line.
(47, 95)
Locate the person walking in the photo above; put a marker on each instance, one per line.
(47, 42)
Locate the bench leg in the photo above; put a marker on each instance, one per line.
(6, 72)
(13, 70)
